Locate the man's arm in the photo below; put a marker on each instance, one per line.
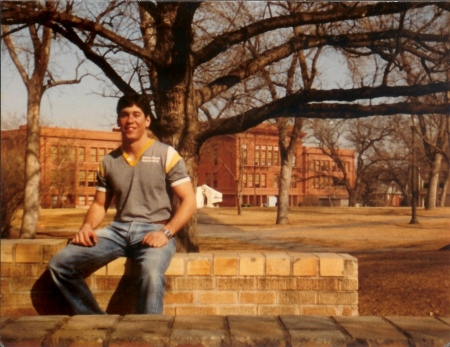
(94, 216)
(187, 207)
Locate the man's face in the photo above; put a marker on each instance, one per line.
(133, 123)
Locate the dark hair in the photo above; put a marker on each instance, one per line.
(138, 100)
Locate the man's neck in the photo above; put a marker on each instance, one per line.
(135, 147)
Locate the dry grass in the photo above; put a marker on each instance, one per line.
(351, 228)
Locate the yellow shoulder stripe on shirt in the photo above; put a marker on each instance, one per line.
(172, 158)
(134, 162)
(101, 170)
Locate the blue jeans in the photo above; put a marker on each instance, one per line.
(73, 263)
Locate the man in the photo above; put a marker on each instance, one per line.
(140, 175)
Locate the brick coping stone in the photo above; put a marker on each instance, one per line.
(223, 331)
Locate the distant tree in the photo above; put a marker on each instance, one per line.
(63, 173)
(365, 136)
(393, 167)
(12, 178)
(433, 130)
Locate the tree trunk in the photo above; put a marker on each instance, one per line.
(352, 197)
(32, 167)
(188, 235)
(239, 202)
(433, 183)
(287, 153)
(444, 190)
(283, 195)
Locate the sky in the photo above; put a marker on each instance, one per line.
(71, 106)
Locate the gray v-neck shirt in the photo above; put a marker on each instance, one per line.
(141, 188)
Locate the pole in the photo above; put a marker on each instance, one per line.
(413, 179)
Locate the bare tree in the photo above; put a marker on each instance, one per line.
(433, 130)
(37, 80)
(365, 136)
(63, 173)
(186, 58)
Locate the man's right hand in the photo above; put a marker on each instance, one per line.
(85, 237)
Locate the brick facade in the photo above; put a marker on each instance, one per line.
(69, 160)
(257, 151)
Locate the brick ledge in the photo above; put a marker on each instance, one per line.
(159, 330)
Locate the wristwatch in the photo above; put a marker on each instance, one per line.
(167, 233)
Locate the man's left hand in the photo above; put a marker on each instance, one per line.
(155, 239)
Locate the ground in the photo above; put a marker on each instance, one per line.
(404, 269)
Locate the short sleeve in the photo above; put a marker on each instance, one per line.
(101, 178)
(176, 170)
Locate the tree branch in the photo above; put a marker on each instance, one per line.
(14, 57)
(14, 12)
(281, 108)
(223, 42)
(97, 59)
(302, 42)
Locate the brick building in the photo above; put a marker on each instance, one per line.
(69, 162)
(70, 157)
(258, 151)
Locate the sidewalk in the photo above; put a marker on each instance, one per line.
(224, 331)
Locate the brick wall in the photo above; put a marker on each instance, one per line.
(217, 283)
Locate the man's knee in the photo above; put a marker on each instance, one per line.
(55, 263)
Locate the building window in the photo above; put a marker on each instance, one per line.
(54, 153)
(257, 181)
(82, 200)
(244, 154)
(315, 166)
(91, 178)
(82, 178)
(215, 183)
(215, 156)
(269, 156)
(263, 181)
(294, 181)
(316, 183)
(81, 154)
(90, 199)
(244, 181)
(257, 154)
(276, 156)
(53, 178)
(250, 180)
(276, 181)
(263, 155)
(101, 153)
(94, 155)
(72, 154)
(347, 166)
